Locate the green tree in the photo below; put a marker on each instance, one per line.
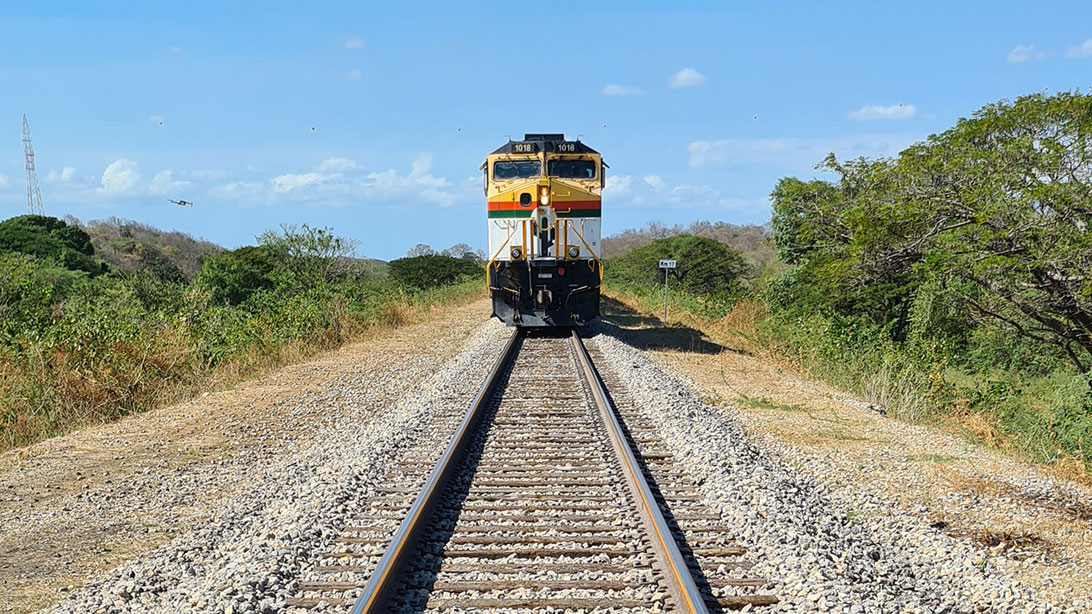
(704, 266)
(232, 277)
(308, 257)
(994, 212)
(432, 270)
(49, 237)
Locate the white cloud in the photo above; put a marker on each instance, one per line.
(618, 185)
(121, 176)
(421, 165)
(896, 112)
(164, 184)
(687, 77)
(1083, 50)
(174, 49)
(337, 165)
(66, 175)
(156, 119)
(354, 42)
(205, 175)
(653, 192)
(336, 181)
(287, 183)
(623, 90)
(250, 192)
(353, 75)
(1023, 53)
(799, 154)
(340, 181)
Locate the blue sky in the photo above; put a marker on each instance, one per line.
(698, 107)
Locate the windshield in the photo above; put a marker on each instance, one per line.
(516, 169)
(572, 169)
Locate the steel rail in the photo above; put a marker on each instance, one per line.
(388, 572)
(682, 585)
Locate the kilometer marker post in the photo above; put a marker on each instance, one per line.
(666, 265)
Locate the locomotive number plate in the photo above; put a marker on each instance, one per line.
(566, 147)
(545, 275)
(523, 148)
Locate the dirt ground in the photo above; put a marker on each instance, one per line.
(84, 502)
(1033, 523)
(88, 501)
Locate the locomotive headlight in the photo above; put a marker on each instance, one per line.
(517, 253)
(574, 251)
(544, 195)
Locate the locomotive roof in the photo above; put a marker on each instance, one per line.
(545, 142)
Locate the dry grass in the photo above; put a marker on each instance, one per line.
(898, 391)
(973, 493)
(49, 394)
(50, 538)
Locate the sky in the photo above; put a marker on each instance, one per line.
(373, 118)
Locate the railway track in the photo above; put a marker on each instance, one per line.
(551, 496)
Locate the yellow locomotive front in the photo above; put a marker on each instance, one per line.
(544, 201)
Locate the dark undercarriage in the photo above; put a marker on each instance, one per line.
(545, 292)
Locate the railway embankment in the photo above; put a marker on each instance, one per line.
(225, 504)
(848, 506)
(177, 505)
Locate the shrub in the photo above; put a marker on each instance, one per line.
(50, 238)
(232, 277)
(432, 270)
(705, 267)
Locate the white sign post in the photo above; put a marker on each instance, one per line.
(666, 265)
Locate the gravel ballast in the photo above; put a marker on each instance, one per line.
(247, 556)
(824, 549)
(824, 543)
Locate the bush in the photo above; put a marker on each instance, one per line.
(232, 277)
(432, 270)
(77, 349)
(50, 238)
(705, 267)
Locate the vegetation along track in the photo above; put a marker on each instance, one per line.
(548, 498)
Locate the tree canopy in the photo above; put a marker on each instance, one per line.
(431, 270)
(49, 238)
(704, 266)
(993, 214)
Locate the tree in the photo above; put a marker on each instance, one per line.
(421, 249)
(994, 211)
(461, 250)
(51, 238)
(705, 267)
(232, 277)
(431, 270)
(309, 257)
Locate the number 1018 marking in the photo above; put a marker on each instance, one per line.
(566, 147)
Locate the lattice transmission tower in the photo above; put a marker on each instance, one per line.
(34, 195)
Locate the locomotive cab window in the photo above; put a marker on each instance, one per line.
(571, 169)
(516, 169)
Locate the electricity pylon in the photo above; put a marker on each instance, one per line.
(34, 195)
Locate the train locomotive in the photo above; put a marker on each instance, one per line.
(543, 196)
